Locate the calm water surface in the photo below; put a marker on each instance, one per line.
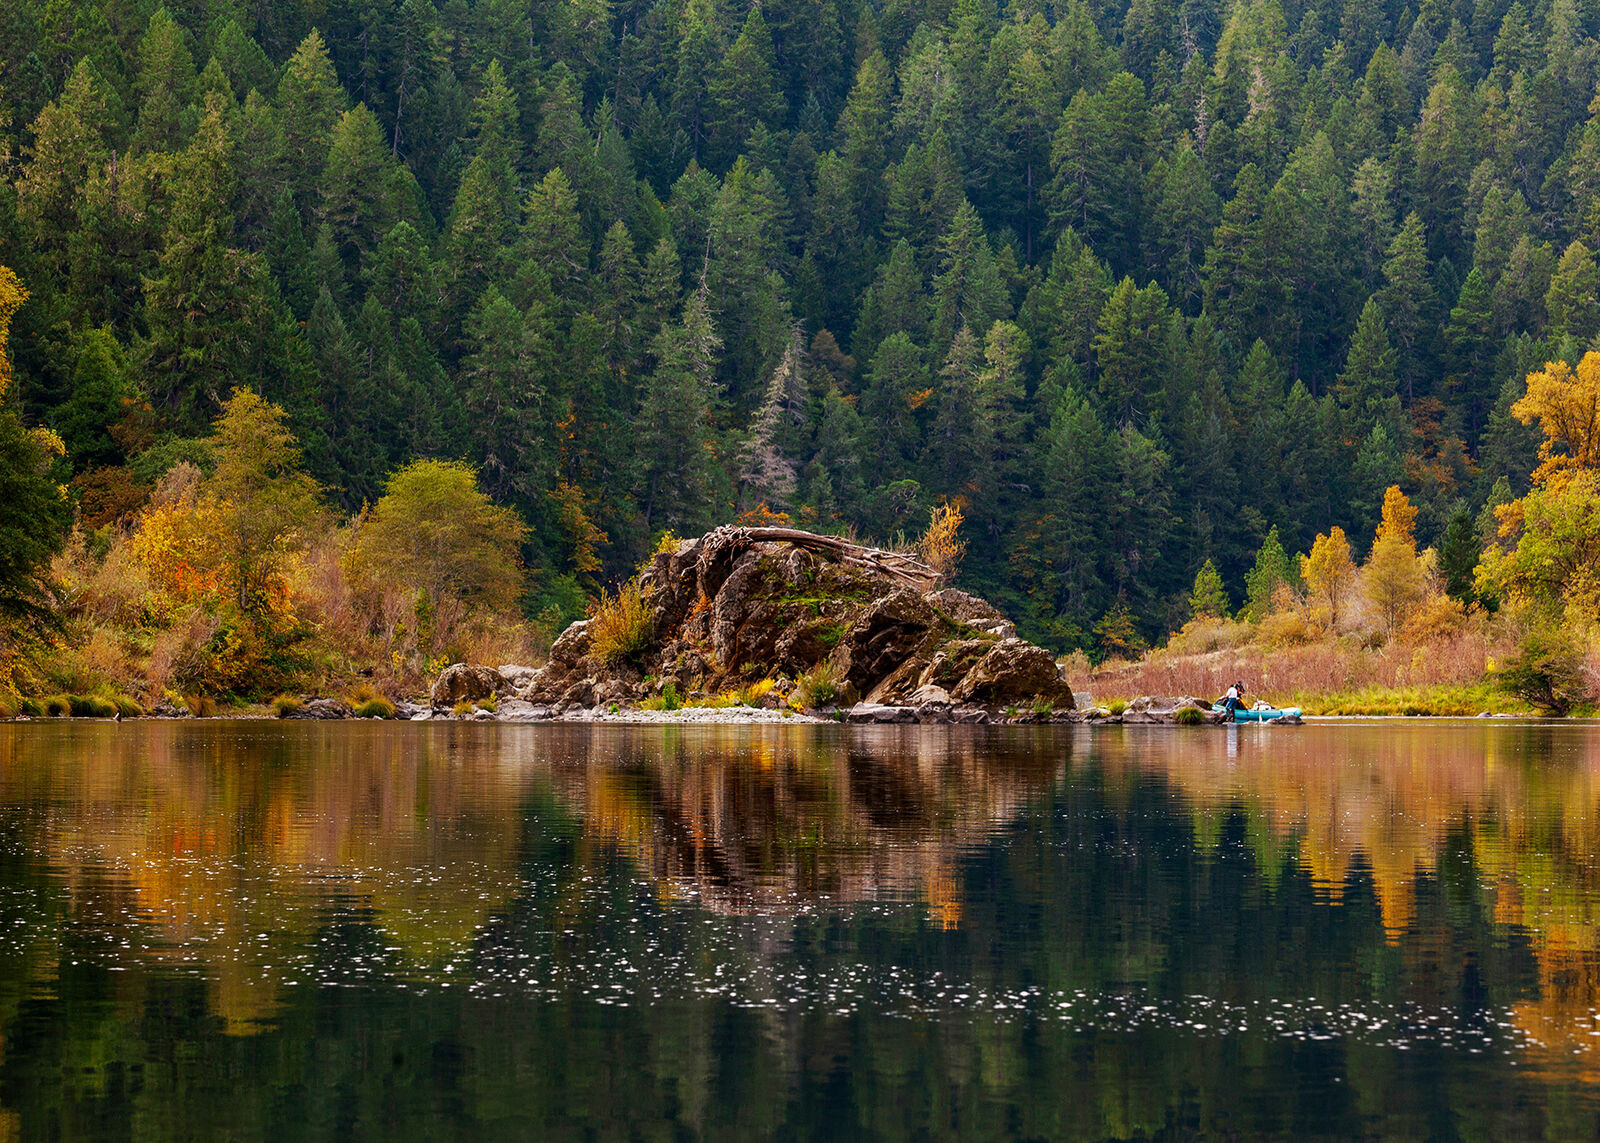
(235, 930)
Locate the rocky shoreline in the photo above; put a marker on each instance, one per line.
(1144, 711)
(774, 624)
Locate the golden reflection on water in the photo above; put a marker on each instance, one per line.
(1388, 796)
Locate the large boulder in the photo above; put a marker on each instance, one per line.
(464, 682)
(1014, 671)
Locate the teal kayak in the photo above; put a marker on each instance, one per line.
(1244, 714)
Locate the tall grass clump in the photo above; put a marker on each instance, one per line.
(818, 687)
(619, 625)
(751, 694)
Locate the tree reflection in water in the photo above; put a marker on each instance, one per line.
(1335, 931)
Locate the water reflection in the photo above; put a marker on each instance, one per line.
(228, 846)
(1073, 933)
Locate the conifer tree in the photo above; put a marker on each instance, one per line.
(164, 82)
(1209, 598)
(1271, 569)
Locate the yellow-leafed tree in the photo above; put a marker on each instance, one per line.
(1394, 578)
(1566, 403)
(1329, 572)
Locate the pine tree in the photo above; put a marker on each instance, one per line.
(358, 186)
(552, 235)
(310, 102)
(676, 482)
(1272, 568)
(1131, 351)
(1573, 300)
(967, 288)
(743, 89)
(507, 402)
(767, 474)
(897, 391)
(1459, 554)
(1408, 302)
(1209, 598)
(1366, 387)
(165, 81)
(68, 146)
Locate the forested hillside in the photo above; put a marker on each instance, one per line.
(1133, 283)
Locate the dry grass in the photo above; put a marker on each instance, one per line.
(1329, 675)
(620, 624)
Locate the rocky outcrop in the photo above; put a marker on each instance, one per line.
(463, 682)
(740, 605)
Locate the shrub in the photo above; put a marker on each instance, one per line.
(1290, 627)
(1043, 706)
(57, 706)
(817, 687)
(941, 546)
(30, 708)
(375, 708)
(669, 696)
(489, 704)
(462, 709)
(285, 705)
(1190, 716)
(1546, 671)
(1437, 616)
(127, 707)
(619, 627)
(1117, 706)
(200, 706)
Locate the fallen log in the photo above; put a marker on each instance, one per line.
(722, 545)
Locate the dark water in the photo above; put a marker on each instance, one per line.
(271, 931)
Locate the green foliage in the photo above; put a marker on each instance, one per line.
(818, 687)
(33, 518)
(285, 705)
(1190, 716)
(1209, 597)
(1272, 567)
(1547, 671)
(435, 533)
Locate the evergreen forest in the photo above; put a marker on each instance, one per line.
(1131, 282)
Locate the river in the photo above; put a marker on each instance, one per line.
(262, 930)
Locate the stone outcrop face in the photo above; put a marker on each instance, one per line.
(737, 605)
